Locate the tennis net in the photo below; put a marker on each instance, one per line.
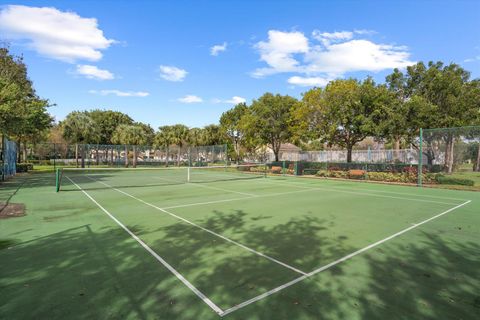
(101, 178)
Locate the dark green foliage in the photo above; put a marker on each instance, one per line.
(24, 167)
(441, 179)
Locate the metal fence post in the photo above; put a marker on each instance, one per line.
(420, 159)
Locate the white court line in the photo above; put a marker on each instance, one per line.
(236, 199)
(214, 188)
(204, 229)
(331, 264)
(381, 191)
(154, 254)
(363, 193)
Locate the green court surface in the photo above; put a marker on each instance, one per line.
(147, 244)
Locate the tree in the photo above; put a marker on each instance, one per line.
(270, 120)
(165, 138)
(180, 138)
(213, 135)
(23, 115)
(106, 122)
(196, 137)
(471, 98)
(134, 135)
(79, 128)
(231, 125)
(345, 112)
(441, 89)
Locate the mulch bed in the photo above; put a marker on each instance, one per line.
(10, 210)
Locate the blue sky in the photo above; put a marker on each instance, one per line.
(188, 61)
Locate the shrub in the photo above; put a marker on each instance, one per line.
(322, 173)
(455, 181)
(24, 167)
(276, 170)
(356, 174)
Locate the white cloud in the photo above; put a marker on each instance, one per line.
(53, 33)
(326, 37)
(308, 81)
(190, 99)
(92, 72)
(472, 59)
(356, 55)
(234, 100)
(172, 73)
(216, 49)
(119, 93)
(278, 52)
(337, 54)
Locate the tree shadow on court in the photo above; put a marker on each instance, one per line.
(430, 279)
(85, 274)
(90, 273)
(237, 275)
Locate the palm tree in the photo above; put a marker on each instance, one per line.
(180, 138)
(133, 135)
(78, 127)
(164, 138)
(196, 136)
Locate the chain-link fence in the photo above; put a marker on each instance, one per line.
(8, 157)
(86, 155)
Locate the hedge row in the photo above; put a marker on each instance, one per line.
(403, 177)
(441, 179)
(24, 167)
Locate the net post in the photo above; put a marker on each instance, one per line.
(283, 167)
(57, 179)
(420, 158)
(188, 174)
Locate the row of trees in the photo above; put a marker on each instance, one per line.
(344, 113)
(106, 127)
(23, 114)
(348, 111)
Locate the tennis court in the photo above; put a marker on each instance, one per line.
(235, 242)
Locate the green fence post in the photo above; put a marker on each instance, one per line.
(283, 167)
(420, 158)
(57, 180)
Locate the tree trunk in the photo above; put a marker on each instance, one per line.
(24, 151)
(237, 151)
(76, 155)
(166, 158)
(134, 160)
(349, 153)
(276, 150)
(96, 155)
(397, 149)
(178, 156)
(126, 156)
(477, 164)
(83, 156)
(449, 154)
(452, 156)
